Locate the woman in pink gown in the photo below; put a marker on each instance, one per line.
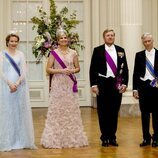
(63, 126)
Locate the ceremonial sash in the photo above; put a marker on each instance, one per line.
(13, 63)
(72, 77)
(154, 82)
(111, 63)
(113, 67)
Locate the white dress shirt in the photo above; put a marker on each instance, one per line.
(151, 57)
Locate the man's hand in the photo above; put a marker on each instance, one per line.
(95, 90)
(122, 88)
(135, 94)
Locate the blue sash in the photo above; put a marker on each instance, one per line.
(154, 82)
(12, 62)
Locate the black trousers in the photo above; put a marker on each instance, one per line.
(145, 117)
(108, 105)
(148, 96)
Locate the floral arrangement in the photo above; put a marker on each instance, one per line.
(47, 26)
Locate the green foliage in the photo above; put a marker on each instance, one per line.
(47, 26)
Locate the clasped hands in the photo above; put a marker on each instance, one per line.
(13, 87)
(68, 71)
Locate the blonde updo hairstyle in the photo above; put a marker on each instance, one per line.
(60, 32)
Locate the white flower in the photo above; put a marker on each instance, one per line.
(47, 21)
(39, 41)
(48, 36)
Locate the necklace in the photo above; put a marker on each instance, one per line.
(64, 52)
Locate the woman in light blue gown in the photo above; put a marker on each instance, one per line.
(16, 125)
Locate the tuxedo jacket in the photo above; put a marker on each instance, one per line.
(140, 67)
(99, 64)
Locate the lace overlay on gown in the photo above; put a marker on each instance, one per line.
(63, 126)
(16, 125)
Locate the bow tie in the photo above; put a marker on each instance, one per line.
(110, 49)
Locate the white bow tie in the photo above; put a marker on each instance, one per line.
(110, 49)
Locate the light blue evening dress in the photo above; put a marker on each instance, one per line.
(16, 125)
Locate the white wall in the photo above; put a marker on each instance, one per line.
(97, 15)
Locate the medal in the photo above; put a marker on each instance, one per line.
(156, 84)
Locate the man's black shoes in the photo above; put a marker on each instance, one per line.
(155, 143)
(106, 143)
(145, 143)
(148, 142)
(113, 142)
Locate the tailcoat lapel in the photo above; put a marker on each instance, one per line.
(156, 62)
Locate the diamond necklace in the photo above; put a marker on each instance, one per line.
(64, 52)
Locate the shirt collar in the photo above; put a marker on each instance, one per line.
(152, 51)
(112, 47)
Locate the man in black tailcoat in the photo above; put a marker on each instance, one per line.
(108, 80)
(145, 88)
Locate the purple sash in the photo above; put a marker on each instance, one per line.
(111, 62)
(72, 77)
(114, 69)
